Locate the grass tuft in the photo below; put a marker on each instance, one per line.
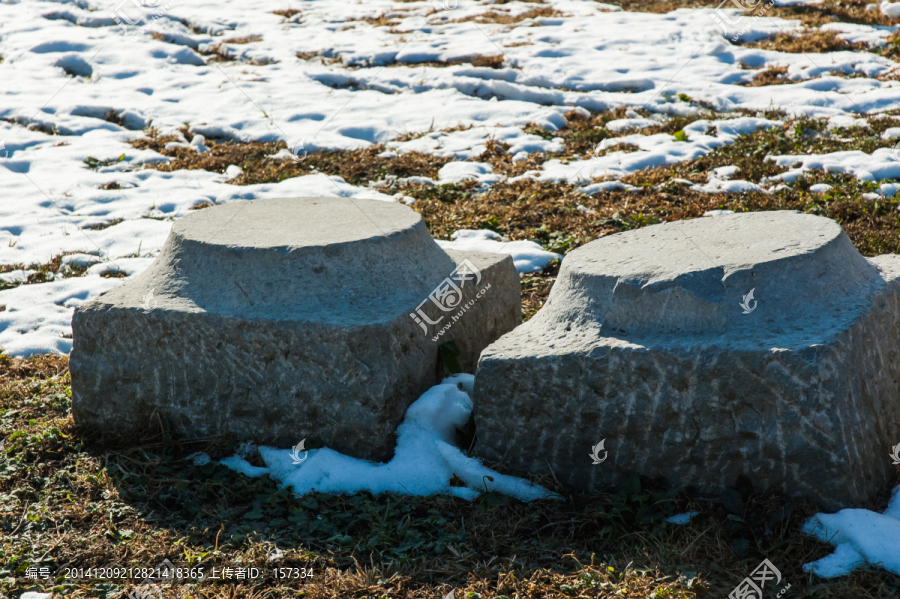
(811, 41)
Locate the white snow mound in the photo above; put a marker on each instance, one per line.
(859, 538)
(528, 256)
(424, 461)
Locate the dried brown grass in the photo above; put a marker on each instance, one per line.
(69, 498)
(772, 75)
(494, 62)
(657, 6)
(832, 11)
(220, 53)
(46, 272)
(507, 18)
(478, 60)
(243, 40)
(41, 367)
(891, 49)
(811, 41)
(354, 166)
(811, 15)
(382, 20)
(287, 13)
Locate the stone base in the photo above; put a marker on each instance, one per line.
(644, 343)
(283, 320)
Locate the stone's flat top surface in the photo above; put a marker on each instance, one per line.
(687, 282)
(295, 222)
(335, 261)
(729, 243)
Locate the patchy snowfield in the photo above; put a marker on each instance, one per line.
(77, 87)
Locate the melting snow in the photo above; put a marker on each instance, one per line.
(682, 519)
(424, 462)
(527, 256)
(859, 537)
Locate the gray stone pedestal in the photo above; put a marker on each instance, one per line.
(283, 319)
(652, 340)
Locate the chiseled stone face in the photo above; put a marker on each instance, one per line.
(651, 341)
(283, 319)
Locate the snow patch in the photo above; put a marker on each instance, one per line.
(424, 463)
(859, 538)
(682, 519)
(527, 256)
(457, 172)
(595, 188)
(619, 125)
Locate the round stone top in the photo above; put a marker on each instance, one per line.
(292, 223)
(730, 243)
(759, 274)
(321, 259)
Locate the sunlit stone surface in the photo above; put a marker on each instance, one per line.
(283, 319)
(650, 340)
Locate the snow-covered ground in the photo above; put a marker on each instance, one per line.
(67, 64)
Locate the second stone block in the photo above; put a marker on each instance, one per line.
(759, 345)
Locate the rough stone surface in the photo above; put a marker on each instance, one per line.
(643, 342)
(283, 319)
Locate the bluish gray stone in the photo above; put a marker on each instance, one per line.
(652, 340)
(283, 319)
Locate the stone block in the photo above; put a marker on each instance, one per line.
(282, 319)
(757, 344)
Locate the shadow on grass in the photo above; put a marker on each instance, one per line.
(71, 499)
